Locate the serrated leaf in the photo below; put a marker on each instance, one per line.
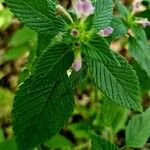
(103, 14)
(118, 83)
(99, 143)
(138, 130)
(140, 52)
(45, 101)
(142, 75)
(43, 42)
(98, 49)
(38, 15)
(43, 113)
(55, 60)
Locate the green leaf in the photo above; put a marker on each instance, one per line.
(103, 14)
(6, 98)
(119, 26)
(43, 42)
(38, 15)
(139, 33)
(121, 8)
(58, 141)
(8, 145)
(45, 101)
(15, 53)
(80, 129)
(118, 83)
(5, 18)
(99, 143)
(23, 36)
(98, 49)
(115, 120)
(41, 110)
(138, 130)
(55, 60)
(2, 137)
(140, 52)
(142, 75)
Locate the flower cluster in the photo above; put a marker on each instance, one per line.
(137, 7)
(83, 9)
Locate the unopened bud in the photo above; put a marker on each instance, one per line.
(62, 10)
(74, 32)
(77, 65)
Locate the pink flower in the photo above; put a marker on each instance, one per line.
(144, 22)
(136, 5)
(83, 8)
(77, 64)
(106, 32)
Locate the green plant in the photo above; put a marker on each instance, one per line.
(71, 44)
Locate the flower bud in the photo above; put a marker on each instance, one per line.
(77, 64)
(106, 32)
(83, 8)
(144, 22)
(74, 32)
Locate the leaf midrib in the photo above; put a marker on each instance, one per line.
(40, 112)
(121, 85)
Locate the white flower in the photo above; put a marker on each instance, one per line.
(106, 31)
(83, 8)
